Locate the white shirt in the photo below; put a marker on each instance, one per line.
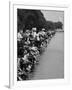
(38, 36)
(25, 57)
(33, 34)
(34, 48)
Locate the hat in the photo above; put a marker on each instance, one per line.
(34, 29)
(43, 29)
(27, 30)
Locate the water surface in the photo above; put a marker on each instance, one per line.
(51, 64)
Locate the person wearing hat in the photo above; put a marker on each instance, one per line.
(34, 32)
(27, 33)
(43, 31)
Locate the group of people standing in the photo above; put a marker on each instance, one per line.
(30, 45)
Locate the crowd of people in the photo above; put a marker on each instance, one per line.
(30, 45)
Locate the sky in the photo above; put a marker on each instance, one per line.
(53, 15)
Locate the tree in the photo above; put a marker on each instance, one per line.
(53, 25)
(27, 18)
(58, 25)
(30, 18)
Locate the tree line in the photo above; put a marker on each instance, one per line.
(26, 19)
